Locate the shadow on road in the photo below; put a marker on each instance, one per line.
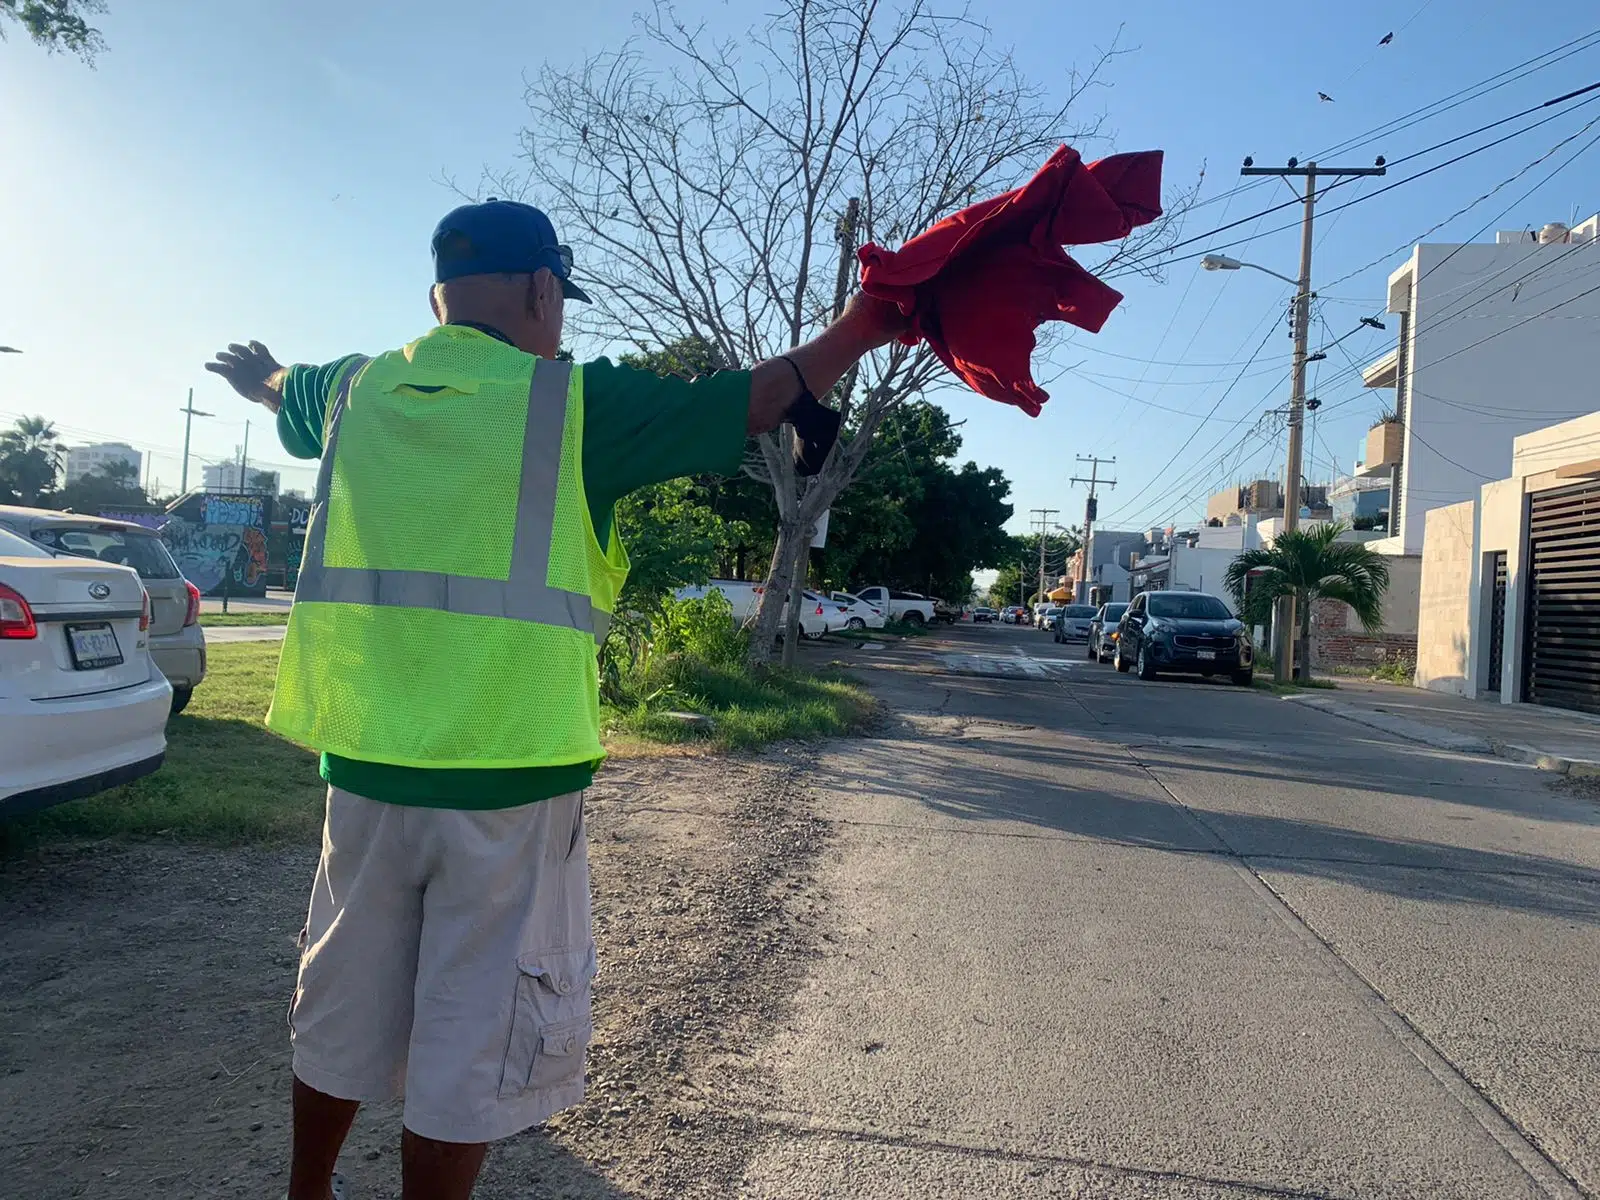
(1005, 777)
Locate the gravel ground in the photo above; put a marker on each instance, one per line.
(143, 988)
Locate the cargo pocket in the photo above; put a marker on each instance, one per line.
(551, 1024)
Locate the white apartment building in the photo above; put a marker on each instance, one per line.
(1495, 339)
(83, 461)
(224, 477)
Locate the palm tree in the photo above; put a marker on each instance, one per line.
(123, 474)
(30, 457)
(1310, 564)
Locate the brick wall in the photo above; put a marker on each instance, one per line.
(1336, 644)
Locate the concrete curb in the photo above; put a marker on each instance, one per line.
(1441, 738)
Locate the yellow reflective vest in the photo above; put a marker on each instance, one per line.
(452, 593)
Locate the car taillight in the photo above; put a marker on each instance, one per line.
(16, 618)
(192, 613)
(819, 610)
(144, 613)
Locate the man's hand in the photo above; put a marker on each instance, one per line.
(251, 371)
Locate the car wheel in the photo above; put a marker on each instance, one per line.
(1147, 668)
(1090, 652)
(855, 623)
(180, 699)
(1244, 678)
(913, 617)
(1121, 663)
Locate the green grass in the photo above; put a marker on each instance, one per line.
(226, 779)
(216, 620)
(747, 710)
(1399, 670)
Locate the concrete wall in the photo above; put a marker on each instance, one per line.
(1468, 396)
(1546, 449)
(1444, 601)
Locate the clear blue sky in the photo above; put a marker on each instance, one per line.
(273, 171)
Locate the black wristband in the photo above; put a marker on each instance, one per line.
(816, 426)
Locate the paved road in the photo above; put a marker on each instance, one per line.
(1098, 937)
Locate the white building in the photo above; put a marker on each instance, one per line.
(1510, 603)
(224, 477)
(1495, 339)
(83, 461)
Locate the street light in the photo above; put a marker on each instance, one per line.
(1221, 262)
(1284, 620)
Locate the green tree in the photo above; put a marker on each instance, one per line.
(57, 24)
(30, 458)
(1309, 565)
(111, 485)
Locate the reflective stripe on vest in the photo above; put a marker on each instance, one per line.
(524, 595)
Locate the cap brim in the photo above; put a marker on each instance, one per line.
(573, 292)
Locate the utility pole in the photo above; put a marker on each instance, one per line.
(1283, 625)
(244, 458)
(1091, 509)
(1041, 517)
(190, 412)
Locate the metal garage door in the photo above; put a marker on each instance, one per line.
(1563, 652)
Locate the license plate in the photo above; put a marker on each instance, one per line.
(94, 647)
(1207, 654)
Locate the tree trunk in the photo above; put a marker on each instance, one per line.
(1303, 667)
(779, 577)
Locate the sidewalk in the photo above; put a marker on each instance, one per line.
(244, 633)
(1552, 739)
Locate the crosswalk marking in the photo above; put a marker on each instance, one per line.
(1007, 666)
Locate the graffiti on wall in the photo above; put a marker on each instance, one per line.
(220, 542)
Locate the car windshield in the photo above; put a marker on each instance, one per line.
(141, 551)
(1079, 610)
(1196, 606)
(11, 546)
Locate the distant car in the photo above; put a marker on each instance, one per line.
(1046, 617)
(1103, 631)
(1015, 615)
(1184, 632)
(177, 643)
(1072, 622)
(82, 706)
(858, 613)
(984, 616)
(911, 607)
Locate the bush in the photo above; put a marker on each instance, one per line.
(1397, 670)
(702, 629)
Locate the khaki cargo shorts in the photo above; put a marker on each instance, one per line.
(448, 959)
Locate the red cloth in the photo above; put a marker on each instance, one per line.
(981, 281)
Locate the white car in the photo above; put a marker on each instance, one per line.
(82, 705)
(859, 613)
(817, 616)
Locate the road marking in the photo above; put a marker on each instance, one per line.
(1001, 666)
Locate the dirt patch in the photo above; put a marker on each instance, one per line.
(143, 989)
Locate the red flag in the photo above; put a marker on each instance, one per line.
(981, 281)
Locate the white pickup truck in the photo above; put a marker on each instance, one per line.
(900, 606)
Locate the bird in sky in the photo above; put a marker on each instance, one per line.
(1386, 39)
(1324, 97)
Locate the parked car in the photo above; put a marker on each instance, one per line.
(82, 706)
(817, 615)
(912, 607)
(946, 612)
(1184, 632)
(858, 613)
(1046, 617)
(177, 643)
(1071, 624)
(1103, 631)
(983, 615)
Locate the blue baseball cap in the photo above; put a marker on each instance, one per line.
(500, 236)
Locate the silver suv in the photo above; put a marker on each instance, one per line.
(177, 644)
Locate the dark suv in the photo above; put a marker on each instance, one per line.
(1184, 632)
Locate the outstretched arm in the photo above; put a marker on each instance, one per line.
(784, 391)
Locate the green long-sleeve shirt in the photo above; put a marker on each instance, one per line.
(639, 428)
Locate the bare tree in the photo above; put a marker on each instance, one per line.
(718, 190)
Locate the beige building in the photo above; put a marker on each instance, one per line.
(1510, 595)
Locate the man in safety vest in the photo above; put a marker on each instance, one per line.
(460, 569)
